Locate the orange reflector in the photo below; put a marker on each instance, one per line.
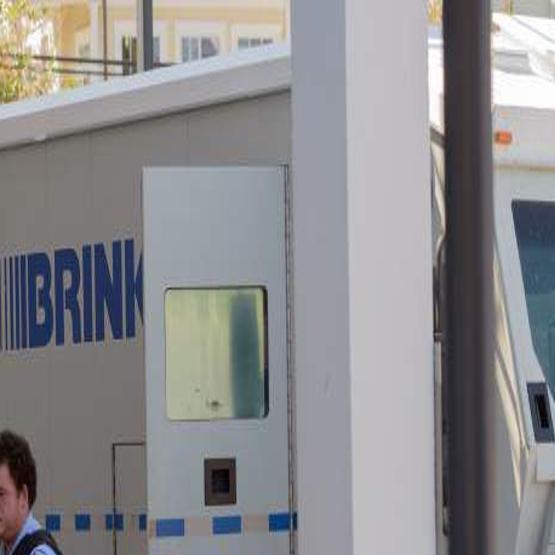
(503, 137)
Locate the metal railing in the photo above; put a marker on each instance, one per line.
(128, 67)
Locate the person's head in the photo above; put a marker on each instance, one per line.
(18, 484)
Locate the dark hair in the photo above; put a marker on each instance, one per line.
(16, 454)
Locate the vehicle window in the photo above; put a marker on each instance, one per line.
(216, 353)
(535, 233)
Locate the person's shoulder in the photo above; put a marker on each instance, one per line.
(43, 549)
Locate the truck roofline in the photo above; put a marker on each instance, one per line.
(249, 73)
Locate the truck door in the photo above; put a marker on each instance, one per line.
(128, 524)
(216, 361)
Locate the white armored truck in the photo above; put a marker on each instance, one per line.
(523, 90)
(145, 308)
(181, 176)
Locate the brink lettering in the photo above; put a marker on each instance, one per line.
(74, 296)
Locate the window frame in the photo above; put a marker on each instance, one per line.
(255, 31)
(199, 29)
(266, 350)
(128, 27)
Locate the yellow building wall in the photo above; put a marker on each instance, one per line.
(70, 19)
(169, 15)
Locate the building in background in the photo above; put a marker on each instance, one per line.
(538, 8)
(96, 40)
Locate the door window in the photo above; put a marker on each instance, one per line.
(535, 234)
(216, 353)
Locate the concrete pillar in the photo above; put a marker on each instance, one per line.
(363, 278)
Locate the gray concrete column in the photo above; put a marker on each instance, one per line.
(363, 278)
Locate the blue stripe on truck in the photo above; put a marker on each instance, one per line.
(11, 307)
(5, 306)
(23, 303)
(226, 525)
(170, 527)
(113, 521)
(17, 305)
(82, 522)
(53, 523)
(279, 522)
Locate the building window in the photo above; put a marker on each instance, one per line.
(198, 47)
(535, 234)
(84, 51)
(252, 42)
(129, 54)
(156, 50)
(82, 43)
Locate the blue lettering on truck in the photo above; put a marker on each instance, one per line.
(76, 296)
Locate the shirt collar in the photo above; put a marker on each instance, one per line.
(29, 526)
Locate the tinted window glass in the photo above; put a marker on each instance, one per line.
(535, 233)
(216, 353)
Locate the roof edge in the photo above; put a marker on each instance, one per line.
(245, 74)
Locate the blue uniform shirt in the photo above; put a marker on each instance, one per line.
(30, 526)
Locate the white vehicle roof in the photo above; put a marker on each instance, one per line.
(523, 91)
(523, 87)
(523, 63)
(245, 74)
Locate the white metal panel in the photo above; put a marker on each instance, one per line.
(519, 184)
(533, 472)
(546, 463)
(532, 136)
(214, 228)
(363, 283)
(85, 190)
(129, 460)
(245, 74)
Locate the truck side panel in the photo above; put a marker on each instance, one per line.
(70, 216)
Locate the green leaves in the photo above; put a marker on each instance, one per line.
(24, 32)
